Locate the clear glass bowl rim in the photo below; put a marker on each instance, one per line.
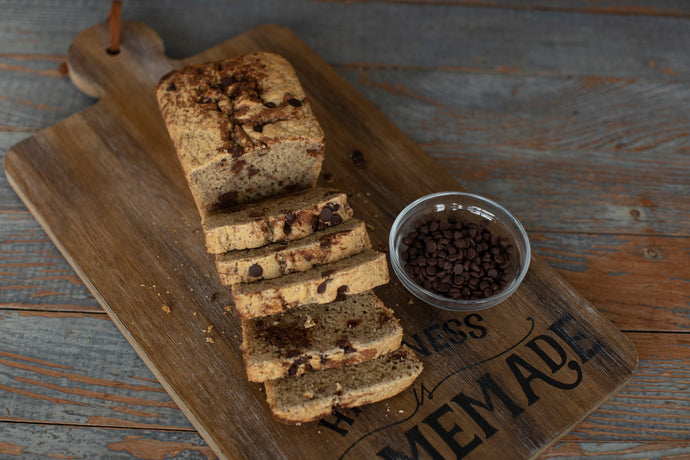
(447, 303)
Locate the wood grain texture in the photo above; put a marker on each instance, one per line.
(456, 37)
(569, 41)
(670, 8)
(65, 441)
(75, 374)
(115, 161)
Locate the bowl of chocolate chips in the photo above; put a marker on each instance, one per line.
(459, 251)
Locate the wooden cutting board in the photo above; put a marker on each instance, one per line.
(106, 186)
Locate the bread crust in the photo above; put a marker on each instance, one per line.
(317, 337)
(277, 259)
(285, 218)
(312, 396)
(243, 129)
(322, 284)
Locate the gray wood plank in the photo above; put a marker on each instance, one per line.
(492, 45)
(621, 144)
(33, 273)
(77, 368)
(565, 154)
(671, 8)
(638, 282)
(30, 441)
(454, 36)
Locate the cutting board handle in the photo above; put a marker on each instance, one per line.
(96, 72)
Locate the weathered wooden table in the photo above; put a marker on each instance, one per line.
(571, 113)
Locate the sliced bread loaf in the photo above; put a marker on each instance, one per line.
(316, 336)
(243, 129)
(321, 284)
(310, 396)
(277, 259)
(284, 218)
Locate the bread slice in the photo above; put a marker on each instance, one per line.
(321, 284)
(313, 395)
(277, 259)
(315, 337)
(284, 218)
(243, 129)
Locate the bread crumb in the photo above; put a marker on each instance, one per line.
(338, 386)
(166, 309)
(400, 411)
(309, 394)
(309, 323)
(209, 329)
(370, 227)
(410, 302)
(210, 340)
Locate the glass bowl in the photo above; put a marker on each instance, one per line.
(467, 208)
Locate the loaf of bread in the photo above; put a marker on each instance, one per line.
(311, 396)
(316, 337)
(277, 259)
(321, 284)
(242, 128)
(284, 218)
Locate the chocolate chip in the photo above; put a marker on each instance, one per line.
(384, 318)
(457, 259)
(341, 293)
(256, 270)
(294, 102)
(226, 81)
(336, 219)
(358, 159)
(326, 242)
(322, 287)
(251, 171)
(236, 150)
(258, 128)
(326, 214)
(171, 87)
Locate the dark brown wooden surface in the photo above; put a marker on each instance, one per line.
(106, 186)
(575, 120)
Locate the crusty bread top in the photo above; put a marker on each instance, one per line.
(233, 107)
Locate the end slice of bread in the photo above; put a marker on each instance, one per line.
(316, 337)
(278, 259)
(321, 284)
(283, 218)
(313, 395)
